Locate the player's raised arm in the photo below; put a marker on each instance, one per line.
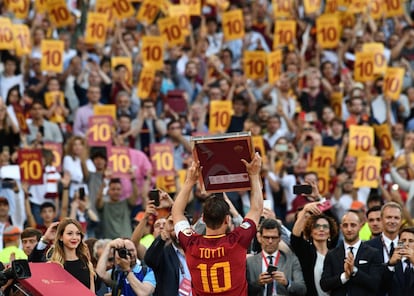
(183, 196)
(256, 197)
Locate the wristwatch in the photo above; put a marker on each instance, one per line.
(42, 239)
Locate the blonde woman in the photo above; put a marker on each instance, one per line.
(71, 252)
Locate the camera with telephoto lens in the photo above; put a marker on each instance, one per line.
(123, 253)
(19, 270)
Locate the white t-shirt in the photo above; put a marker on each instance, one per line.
(73, 166)
(6, 83)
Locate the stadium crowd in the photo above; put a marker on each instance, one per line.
(100, 99)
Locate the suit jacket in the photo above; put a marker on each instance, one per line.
(290, 267)
(386, 280)
(377, 244)
(398, 285)
(38, 255)
(363, 283)
(166, 266)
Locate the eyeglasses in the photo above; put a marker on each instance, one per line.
(270, 237)
(323, 226)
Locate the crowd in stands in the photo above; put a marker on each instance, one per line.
(332, 117)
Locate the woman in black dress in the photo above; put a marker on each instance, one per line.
(312, 236)
(71, 252)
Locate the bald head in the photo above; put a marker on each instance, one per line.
(350, 226)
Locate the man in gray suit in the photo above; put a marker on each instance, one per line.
(287, 279)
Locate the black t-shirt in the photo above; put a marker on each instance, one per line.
(79, 270)
(237, 123)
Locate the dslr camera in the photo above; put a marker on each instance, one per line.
(123, 253)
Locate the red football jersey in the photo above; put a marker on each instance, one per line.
(218, 263)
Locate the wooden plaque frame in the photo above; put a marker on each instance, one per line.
(220, 158)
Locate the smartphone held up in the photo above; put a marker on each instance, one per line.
(302, 189)
(154, 195)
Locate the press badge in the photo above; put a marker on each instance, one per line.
(185, 287)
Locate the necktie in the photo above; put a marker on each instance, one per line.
(351, 249)
(269, 287)
(391, 249)
(407, 273)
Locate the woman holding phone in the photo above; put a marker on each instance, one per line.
(310, 240)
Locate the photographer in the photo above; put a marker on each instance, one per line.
(127, 276)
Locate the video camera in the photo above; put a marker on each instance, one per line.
(19, 270)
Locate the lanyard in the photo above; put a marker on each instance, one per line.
(385, 248)
(182, 271)
(276, 259)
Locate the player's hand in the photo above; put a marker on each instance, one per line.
(254, 167)
(193, 173)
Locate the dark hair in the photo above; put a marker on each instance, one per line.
(13, 59)
(270, 224)
(240, 98)
(98, 153)
(53, 78)
(115, 181)
(310, 224)
(323, 65)
(172, 122)
(13, 88)
(337, 120)
(104, 60)
(215, 210)
(375, 198)
(37, 102)
(119, 67)
(124, 115)
(374, 209)
(211, 19)
(47, 204)
(406, 229)
(29, 232)
(273, 116)
(231, 56)
(31, 94)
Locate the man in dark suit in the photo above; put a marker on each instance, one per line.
(353, 268)
(39, 252)
(287, 279)
(401, 264)
(391, 219)
(166, 258)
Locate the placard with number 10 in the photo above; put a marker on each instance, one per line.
(162, 158)
(52, 56)
(100, 130)
(119, 162)
(233, 25)
(361, 140)
(30, 165)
